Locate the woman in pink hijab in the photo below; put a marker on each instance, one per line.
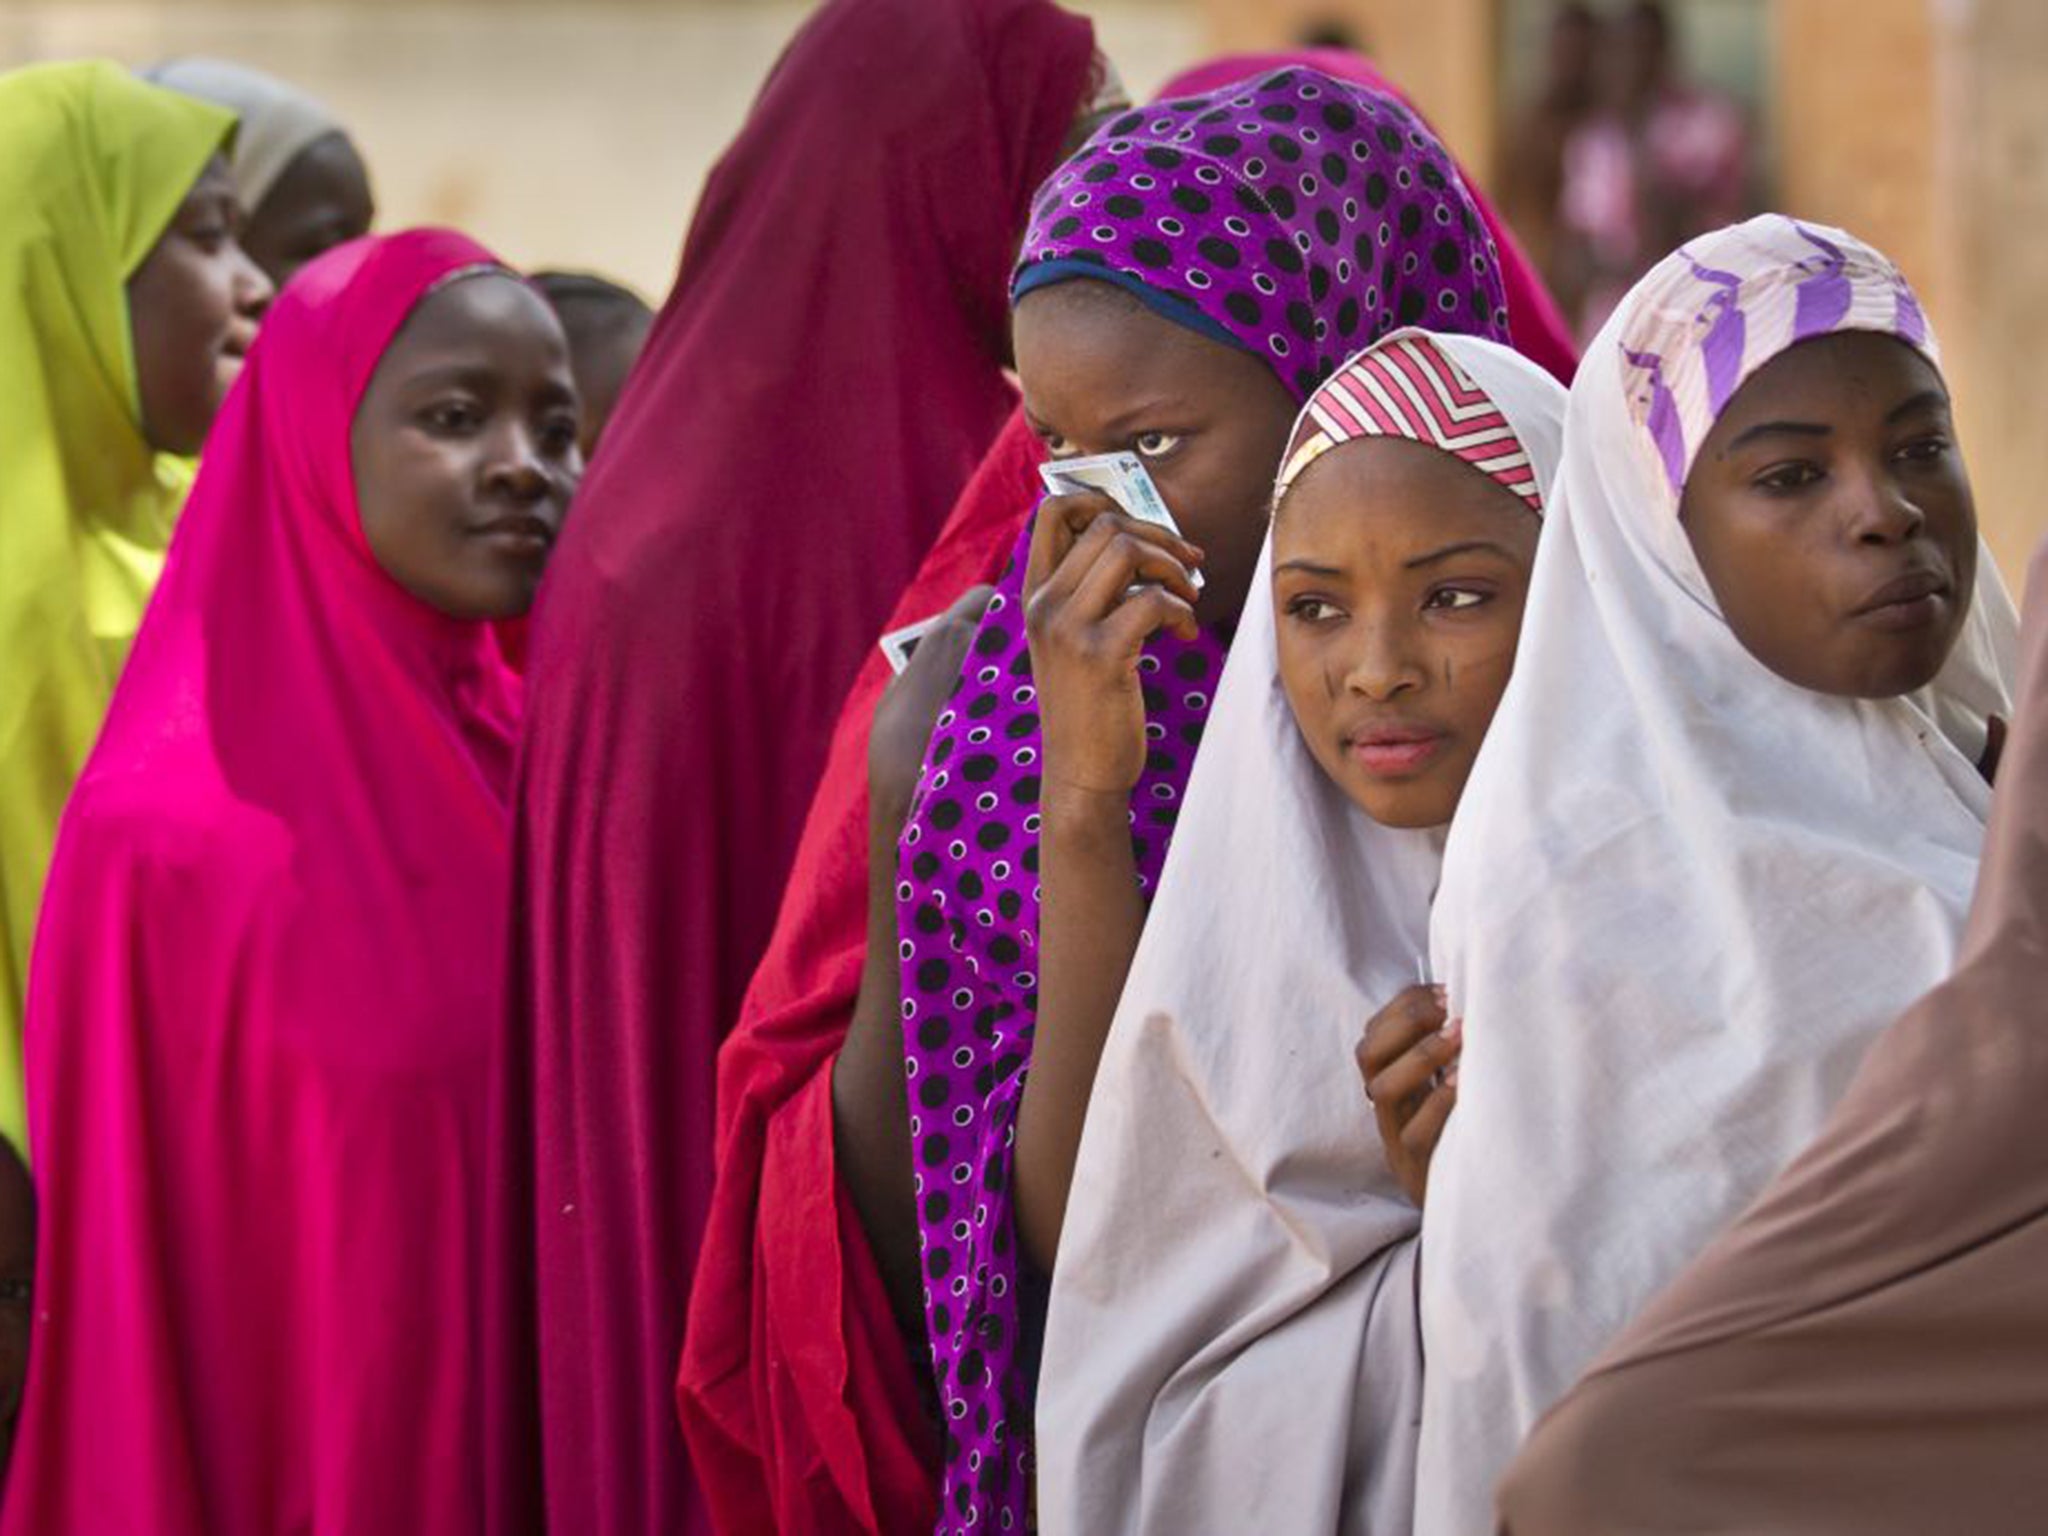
(268, 976)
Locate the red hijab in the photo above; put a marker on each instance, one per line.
(821, 383)
(796, 1393)
(267, 986)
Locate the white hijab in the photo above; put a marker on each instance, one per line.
(1682, 895)
(278, 121)
(1233, 1342)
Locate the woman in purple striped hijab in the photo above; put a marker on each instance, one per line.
(1188, 278)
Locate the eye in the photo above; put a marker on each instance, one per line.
(1785, 478)
(558, 435)
(1456, 599)
(452, 418)
(1155, 445)
(1055, 445)
(1924, 450)
(1309, 609)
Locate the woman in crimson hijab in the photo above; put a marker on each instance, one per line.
(819, 386)
(269, 973)
(797, 1391)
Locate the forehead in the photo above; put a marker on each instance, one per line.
(488, 317)
(1375, 488)
(1081, 344)
(1837, 376)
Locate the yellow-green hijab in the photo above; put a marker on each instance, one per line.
(96, 163)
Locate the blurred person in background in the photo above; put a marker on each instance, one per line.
(1532, 173)
(607, 324)
(301, 180)
(1663, 159)
(126, 308)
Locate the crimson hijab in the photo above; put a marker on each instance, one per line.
(798, 1397)
(267, 987)
(821, 383)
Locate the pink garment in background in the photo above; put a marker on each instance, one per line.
(267, 986)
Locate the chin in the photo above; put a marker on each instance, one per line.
(1405, 807)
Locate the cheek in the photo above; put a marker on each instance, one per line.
(413, 501)
(1474, 666)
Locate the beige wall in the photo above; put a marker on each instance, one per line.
(570, 135)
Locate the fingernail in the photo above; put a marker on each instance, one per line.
(1451, 1076)
(1443, 994)
(1455, 1031)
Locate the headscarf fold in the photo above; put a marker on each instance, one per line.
(1194, 198)
(817, 390)
(1685, 893)
(95, 167)
(1233, 1341)
(278, 121)
(1865, 1350)
(267, 990)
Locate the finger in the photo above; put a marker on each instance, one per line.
(1425, 1128)
(1395, 1029)
(1061, 522)
(1414, 1072)
(945, 644)
(1079, 564)
(1122, 562)
(1142, 615)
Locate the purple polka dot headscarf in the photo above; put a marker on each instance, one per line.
(1296, 217)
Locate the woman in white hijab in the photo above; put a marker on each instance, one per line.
(298, 176)
(1233, 1342)
(1727, 821)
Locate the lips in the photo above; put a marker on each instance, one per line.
(1393, 751)
(522, 531)
(1905, 602)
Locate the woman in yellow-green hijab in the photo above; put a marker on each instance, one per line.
(125, 309)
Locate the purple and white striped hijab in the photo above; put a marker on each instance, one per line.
(1720, 307)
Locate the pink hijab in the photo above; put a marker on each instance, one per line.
(267, 986)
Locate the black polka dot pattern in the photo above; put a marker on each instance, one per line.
(967, 910)
(1302, 214)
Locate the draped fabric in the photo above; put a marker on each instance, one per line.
(96, 165)
(1683, 894)
(267, 992)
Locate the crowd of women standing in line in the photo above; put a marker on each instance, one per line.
(440, 1024)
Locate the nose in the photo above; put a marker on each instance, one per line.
(1383, 665)
(253, 289)
(514, 469)
(1881, 512)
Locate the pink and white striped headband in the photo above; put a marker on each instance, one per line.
(1408, 386)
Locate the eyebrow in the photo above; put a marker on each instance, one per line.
(477, 376)
(1306, 568)
(1927, 399)
(1466, 547)
(1778, 429)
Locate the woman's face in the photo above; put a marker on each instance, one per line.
(1399, 575)
(193, 307)
(1832, 517)
(1103, 374)
(320, 201)
(465, 448)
